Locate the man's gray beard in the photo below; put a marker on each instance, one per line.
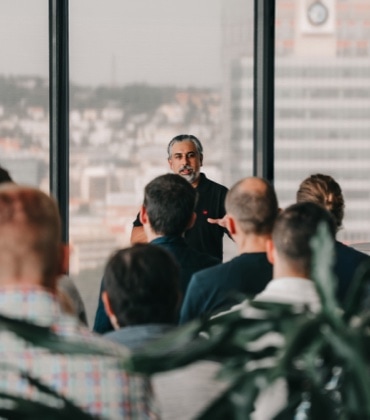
(191, 177)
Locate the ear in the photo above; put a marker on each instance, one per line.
(191, 221)
(170, 163)
(143, 215)
(108, 309)
(230, 224)
(270, 251)
(201, 159)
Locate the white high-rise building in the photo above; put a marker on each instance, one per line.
(322, 100)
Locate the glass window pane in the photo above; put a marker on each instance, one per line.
(141, 73)
(24, 91)
(323, 103)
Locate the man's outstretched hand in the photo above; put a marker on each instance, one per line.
(220, 222)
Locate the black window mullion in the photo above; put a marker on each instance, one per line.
(264, 61)
(59, 108)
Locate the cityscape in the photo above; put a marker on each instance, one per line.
(119, 133)
(115, 149)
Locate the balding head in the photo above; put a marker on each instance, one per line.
(30, 237)
(253, 203)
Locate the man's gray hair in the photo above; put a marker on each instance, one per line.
(185, 137)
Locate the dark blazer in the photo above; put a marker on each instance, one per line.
(215, 289)
(347, 261)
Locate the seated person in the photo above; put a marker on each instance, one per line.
(141, 294)
(167, 212)
(141, 298)
(290, 253)
(251, 209)
(325, 191)
(31, 255)
(68, 291)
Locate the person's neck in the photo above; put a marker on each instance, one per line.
(283, 270)
(153, 235)
(251, 243)
(195, 184)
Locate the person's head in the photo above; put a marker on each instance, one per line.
(31, 252)
(168, 207)
(253, 204)
(325, 191)
(141, 286)
(294, 228)
(185, 156)
(4, 176)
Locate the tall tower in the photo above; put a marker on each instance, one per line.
(322, 100)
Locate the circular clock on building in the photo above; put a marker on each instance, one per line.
(317, 13)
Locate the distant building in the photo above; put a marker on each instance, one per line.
(322, 99)
(91, 243)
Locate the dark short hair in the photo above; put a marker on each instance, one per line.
(185, 137)
(170, 202)
(142, 283)
(4, 175)
(293, 230)
(255, 210)
(325, 191)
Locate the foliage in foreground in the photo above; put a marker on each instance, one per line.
(54, 406)
(323, 357)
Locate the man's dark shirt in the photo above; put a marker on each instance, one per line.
(189, 259)
(215, 289)
(204, 236)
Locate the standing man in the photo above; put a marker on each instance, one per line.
(252, 207)
(185, 157)
(31, 260)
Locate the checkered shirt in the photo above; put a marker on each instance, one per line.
(95, 383)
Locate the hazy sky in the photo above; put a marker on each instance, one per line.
(154, 41)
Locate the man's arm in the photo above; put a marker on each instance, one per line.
(220, 222)
(138, 235)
